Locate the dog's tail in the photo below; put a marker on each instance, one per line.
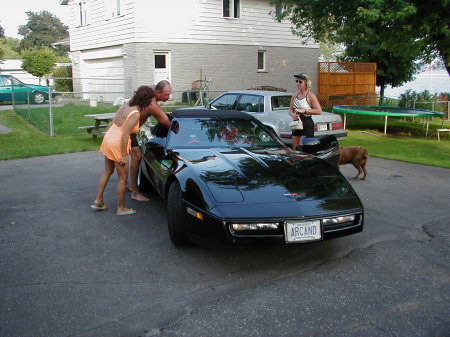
(365, 153)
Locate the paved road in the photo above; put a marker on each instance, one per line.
(68, 271)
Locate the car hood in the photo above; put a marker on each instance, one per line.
(270, 182)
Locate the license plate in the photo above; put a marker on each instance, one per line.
(303, 231)
(322, 127)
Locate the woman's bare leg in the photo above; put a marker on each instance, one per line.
(104, 178)
(122, 173)
(295, 142)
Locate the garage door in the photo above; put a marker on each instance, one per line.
(104, 78)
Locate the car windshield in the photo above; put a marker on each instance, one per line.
(214, 132)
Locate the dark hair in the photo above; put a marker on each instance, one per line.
(161, 85)
(142, 97)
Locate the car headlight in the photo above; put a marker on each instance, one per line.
(338, 220)
(254, 226)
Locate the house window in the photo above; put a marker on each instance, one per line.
(114, 8)
(261, 60)
(160, 61)
(231, 8)
(82, 13)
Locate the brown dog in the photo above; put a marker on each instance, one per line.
(355, 155)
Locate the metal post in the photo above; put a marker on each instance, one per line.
(50, 110)
(345, 120)
(385, 124)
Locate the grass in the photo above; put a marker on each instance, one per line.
(426, 151)
(25, 140)
(405, 140)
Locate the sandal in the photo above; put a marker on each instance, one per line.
(99, 207)
(130, 212)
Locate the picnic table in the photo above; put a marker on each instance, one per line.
(98, 129)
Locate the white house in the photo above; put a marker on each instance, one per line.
(117, 45)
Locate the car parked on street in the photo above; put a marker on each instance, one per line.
(13, 89)
(272, 109)
(224, 174)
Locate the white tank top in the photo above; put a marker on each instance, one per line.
(302, 103)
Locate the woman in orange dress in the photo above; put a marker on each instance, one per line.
(116, 147)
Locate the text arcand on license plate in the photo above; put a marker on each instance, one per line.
(303, 231)
(322, 127)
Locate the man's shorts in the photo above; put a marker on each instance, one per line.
(134, 141)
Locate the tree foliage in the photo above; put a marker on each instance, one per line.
(42, 29)
(39, 62)
(11, 48)
(393, 33)
(2, 48)
(63, 79)
(2, 32)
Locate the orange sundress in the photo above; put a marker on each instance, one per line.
(112, 141)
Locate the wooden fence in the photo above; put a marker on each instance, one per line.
(347, 83)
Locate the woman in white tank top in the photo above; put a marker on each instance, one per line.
(303, 104)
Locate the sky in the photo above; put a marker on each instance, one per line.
(12, 13)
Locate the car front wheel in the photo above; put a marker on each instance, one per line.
(176, 216)
(38, 98)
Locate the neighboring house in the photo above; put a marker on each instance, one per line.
(117, 45)
(14, 68)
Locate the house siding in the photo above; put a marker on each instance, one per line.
(198, 39)
(186, 21)
(227, 67)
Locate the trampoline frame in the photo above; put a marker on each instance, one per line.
(390, 112)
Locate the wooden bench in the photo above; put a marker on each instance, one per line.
(93, 130)
(98, 128)
(442, 130)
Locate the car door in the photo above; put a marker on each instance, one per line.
(5, 89)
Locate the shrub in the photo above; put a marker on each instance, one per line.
(63, 79)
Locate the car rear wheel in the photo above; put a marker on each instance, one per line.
(37, 98)
(176, 216)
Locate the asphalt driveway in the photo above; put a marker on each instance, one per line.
(66, 270)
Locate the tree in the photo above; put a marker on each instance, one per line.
(42, 30)
(2, 49)
(393, 33)
(39, 62)
(2, 32)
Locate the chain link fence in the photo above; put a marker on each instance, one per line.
(63, 112)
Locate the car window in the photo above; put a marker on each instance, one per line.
(250, 103)
(225, 102)
(6, 81)
(280, 102)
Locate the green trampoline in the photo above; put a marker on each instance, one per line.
(385, 111)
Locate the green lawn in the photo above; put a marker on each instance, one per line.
(25, 140)
(405, 140)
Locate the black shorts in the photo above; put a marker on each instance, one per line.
(308, 128)
(134, 141)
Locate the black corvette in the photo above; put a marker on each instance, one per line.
(223, 174)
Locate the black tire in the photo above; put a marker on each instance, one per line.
(176, 216)
(37, 97)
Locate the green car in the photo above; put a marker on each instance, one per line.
(13, 89)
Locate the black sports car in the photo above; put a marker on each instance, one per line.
(224, 174)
